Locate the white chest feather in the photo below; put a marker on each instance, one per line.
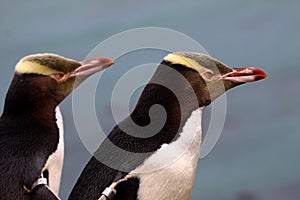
(169, 173)
(55, 162)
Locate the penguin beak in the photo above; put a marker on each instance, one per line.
(68, 82)
(91, 66)
(244, 75)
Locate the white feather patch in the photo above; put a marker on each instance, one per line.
(55, 162)
(175, 181)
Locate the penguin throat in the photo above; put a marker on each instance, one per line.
(170, 115)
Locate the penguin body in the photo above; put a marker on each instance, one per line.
(161, 165)
(23, 154)
(30, 139)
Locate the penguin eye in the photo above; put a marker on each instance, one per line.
(58, 76)
(208, 75)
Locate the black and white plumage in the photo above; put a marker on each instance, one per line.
(31, 145)
(133, 177)
(53, 167)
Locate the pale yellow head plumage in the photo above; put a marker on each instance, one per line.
(199, 62)
(45, 64)
(29, 67)
(185, 61)
(181, 60)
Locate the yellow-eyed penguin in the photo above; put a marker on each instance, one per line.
(141, 164)
(31, 143)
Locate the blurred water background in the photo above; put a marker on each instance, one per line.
(257, 156)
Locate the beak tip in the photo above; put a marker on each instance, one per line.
(260, 73)
(107, 61)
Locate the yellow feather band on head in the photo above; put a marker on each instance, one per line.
(29, 67)
(188, 62)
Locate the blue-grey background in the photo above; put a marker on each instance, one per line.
(257, 156)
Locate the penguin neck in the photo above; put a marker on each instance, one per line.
(28, 103)
(177, 112)
(41, 112)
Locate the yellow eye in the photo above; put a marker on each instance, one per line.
(58, 76)
(207, 75)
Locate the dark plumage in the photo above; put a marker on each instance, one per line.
(126, 173)
(28, 130)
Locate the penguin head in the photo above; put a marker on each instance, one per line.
(52, 77)
(42, 81)
(209, 77)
